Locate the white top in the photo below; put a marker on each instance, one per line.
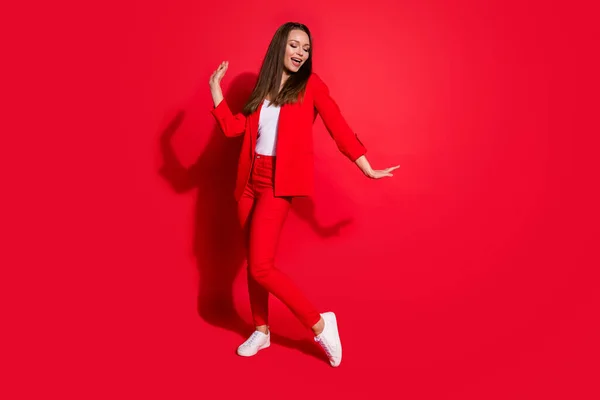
(267, 129)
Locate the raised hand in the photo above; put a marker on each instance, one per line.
(215, 83)
(218, 74)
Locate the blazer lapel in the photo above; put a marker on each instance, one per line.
(254, 119)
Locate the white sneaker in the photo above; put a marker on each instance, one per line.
(257, 341)
(329, 339)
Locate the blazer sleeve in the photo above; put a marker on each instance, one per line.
(231, 125)
(346, 140)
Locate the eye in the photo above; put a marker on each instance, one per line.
(296, 46)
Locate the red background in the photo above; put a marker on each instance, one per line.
(468, 275)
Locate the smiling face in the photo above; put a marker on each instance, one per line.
(296, 50)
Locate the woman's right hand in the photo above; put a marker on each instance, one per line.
(215, 83)
(218, 74)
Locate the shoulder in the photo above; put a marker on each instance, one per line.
(314, 78)
(315, 82)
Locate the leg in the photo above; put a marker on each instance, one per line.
(259, 296)
(266, 223)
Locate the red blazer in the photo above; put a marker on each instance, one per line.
(294, 174)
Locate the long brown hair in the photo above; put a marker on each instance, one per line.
(271, 71)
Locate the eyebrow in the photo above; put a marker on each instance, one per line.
(294, 40)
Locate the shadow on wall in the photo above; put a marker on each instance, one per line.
(218, 244)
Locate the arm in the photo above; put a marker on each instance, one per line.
(346, 140)
(231, 125)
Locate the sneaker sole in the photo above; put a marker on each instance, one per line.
(339, 341)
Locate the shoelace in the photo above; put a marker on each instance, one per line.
(326, 346)
(251, 339)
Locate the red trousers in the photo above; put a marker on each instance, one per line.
(262, 216)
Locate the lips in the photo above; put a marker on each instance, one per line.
(296, 61)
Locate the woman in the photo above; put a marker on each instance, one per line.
(275, 165)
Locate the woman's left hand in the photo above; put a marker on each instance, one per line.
(365, 167)
(380, 173)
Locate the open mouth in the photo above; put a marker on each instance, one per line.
(296, 61)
